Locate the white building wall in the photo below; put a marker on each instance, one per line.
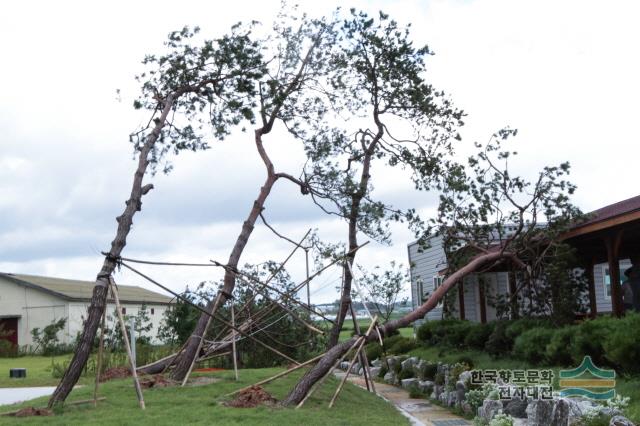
(425, 264)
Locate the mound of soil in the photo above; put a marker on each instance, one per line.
(115, 373)
(157, 381)
(31, 411)
(252, 397)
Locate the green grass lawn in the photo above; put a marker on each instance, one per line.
(38, 371)
(625, 386)
(201, 405)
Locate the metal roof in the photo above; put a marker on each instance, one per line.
(82, 290)
(613, 210)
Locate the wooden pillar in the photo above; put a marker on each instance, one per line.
(612, 243)
(483, 300)
(513, 297)
(461, 299)
(593, 307)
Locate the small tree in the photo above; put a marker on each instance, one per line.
(47, 340)
(384, 287)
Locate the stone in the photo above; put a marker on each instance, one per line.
(407, 364)
(461, 392)
(392, 361)
(517, 408)
(360, 371)
(375, 371)
(376, 363)
(344, 365)
(620, 421)
(489, 408)
(390, 378)
(560, 413)
(609, 412)
(426, 386)
(409, 383)
(465, 377)
(355, 368)
(539, 413)
(438, 390)
(451, 399)
(418, 368)
(466, 408)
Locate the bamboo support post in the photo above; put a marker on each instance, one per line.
(99, 362)
(233, 340)
(123, 327)
(355, 356)
(277, 376)
(363, 356)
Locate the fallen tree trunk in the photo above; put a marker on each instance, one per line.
(303, 386)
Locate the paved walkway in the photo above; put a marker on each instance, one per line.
(419, 411)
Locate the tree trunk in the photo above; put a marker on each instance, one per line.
(320, 369)
(193, 345)
(100, 289)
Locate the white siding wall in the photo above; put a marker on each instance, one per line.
(424, 265)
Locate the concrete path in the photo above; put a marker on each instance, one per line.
(15, 395)
(419, 411)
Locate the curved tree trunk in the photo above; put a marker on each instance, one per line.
(100, 289)
(326, 362)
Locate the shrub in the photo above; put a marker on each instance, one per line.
(442, 331)
(405, 374)
(374, 351)
(530, 345)
(498, 343)
(519, 326)
(439, 379)
(403, 345)
(430, 371)
(557, 351)
(501, 420)
(466, 361)
(383, 371)
(621, 345)
(476, 397)
(415, 392)
(478, 334)
(589, 339)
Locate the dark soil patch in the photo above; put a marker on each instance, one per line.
(157, 381)
(115, 373)
(252, 397)
(32, 411)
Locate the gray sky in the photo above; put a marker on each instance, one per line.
(564, 73)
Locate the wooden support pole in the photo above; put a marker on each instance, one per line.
(277, 376)
(461, 299)
(233, 339)
(363, 357)
(355, 356)
(593, 306)
(612, 242)
(99, 362)
(123, 328)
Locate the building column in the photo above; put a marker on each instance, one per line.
(593, 307)
(483, 300)
(461, 299)
(513, 297)
(612, 242)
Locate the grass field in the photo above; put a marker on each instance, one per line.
(625, 386)
(38, 371)
(201, 405)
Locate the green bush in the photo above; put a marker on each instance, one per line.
(440, 331)
(498, 343)
(478, 334)
(530, 345)
(519, 326)
(589, 339)
(439, 379)
(403, 345)
(557, 351)
(373, 351)
(429, 372)
(405, 374)
(383, 371)
(621, 345)
(466, 361)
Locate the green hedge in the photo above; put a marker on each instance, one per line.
(609, 341)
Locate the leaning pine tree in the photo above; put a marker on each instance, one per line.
(487, 217)
(185, 89)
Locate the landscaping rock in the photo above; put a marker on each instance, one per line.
(465, 377)
(489, 409)
(344, 365)
(418, 368)
(451, 399)
(610, 412)
(392, 361)
(376, 363)
(560, 413)
(355, 368)
(620, 421)
(375, 371)
(539, 413)
(461, 392)
(409, 383)
(390, 378)
(516, 408)
(426, 386)
(466, 408)
(407, 364)
(437, 390)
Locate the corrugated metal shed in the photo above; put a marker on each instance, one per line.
(82, 290)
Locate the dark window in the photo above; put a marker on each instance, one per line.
(153, 311)
(124, 311)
